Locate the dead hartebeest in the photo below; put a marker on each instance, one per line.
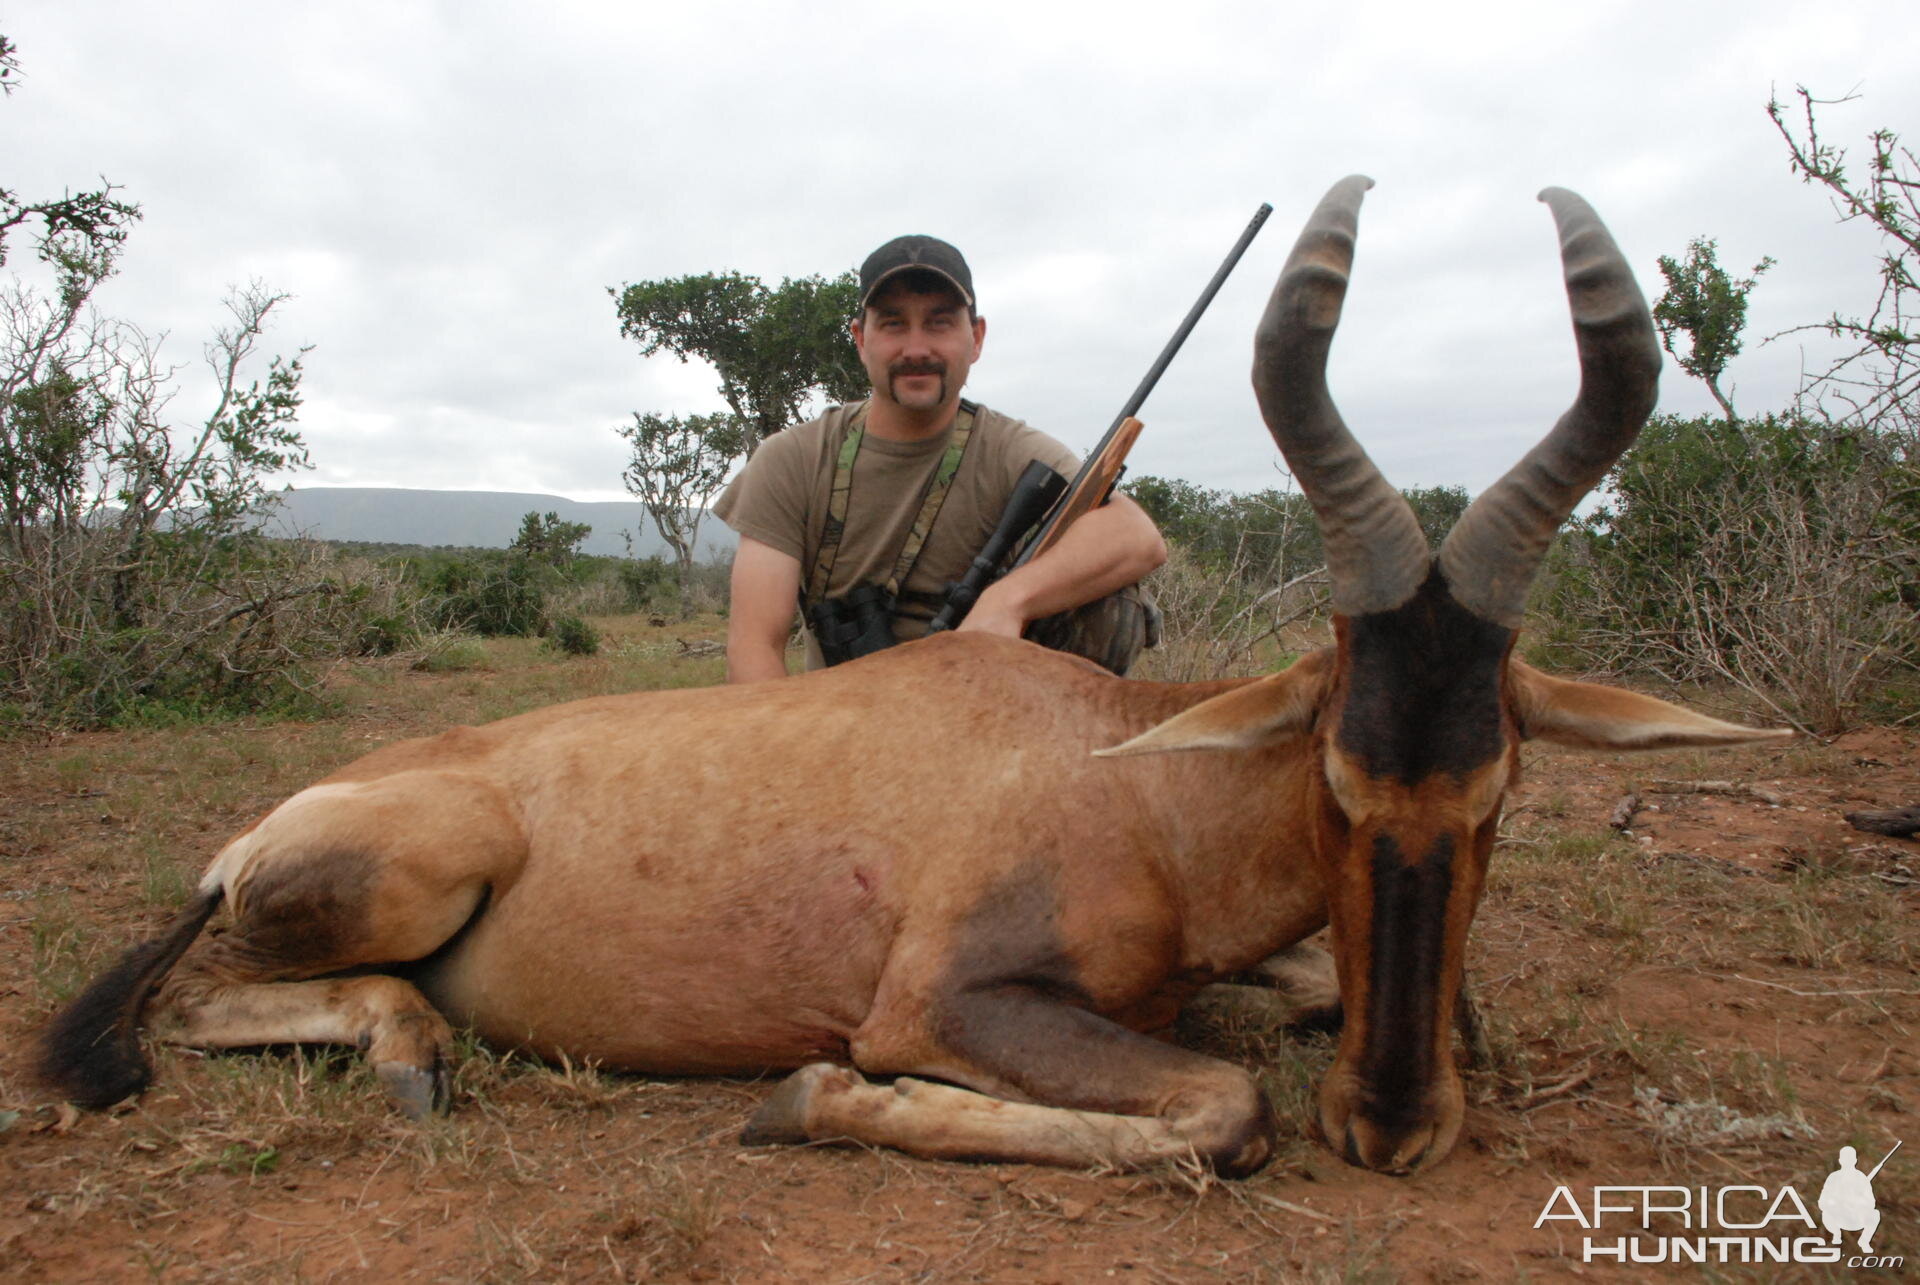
(966, 862)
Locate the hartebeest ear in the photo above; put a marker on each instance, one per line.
(1263, 712)
(1589, 716)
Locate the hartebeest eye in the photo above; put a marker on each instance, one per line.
(1486, 788)
(1348, 785)
(1470, 798)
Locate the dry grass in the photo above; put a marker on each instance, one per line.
(1693, 983)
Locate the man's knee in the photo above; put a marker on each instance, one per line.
(1111, 631)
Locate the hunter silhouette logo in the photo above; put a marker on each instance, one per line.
(1738, 1224)
(1846, 1201)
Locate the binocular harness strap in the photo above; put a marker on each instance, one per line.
(836, 523)
(936, 496)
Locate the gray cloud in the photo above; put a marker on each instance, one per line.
(447, 192)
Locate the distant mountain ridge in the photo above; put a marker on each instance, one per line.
(472, 519)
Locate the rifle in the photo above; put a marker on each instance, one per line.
(1040, 490)
(1037, 491)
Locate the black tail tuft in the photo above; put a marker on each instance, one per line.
(91, 1052)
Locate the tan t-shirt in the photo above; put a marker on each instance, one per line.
(780, 499)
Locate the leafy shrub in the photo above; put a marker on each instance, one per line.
(209, 627)
(1781, 555)
(385, 635)
(644, 581)
(1269, 537)
(1214, 626)
(573, 636)
(130, 582)
(494, 594)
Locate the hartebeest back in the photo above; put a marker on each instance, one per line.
(924, 864)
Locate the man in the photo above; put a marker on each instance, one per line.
(886, 501)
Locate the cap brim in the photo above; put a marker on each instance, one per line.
(965, 294)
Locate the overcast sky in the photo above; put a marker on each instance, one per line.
(448, 190)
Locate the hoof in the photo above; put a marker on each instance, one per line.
(417, 1093)
(782, 1118)
(1326, 1018)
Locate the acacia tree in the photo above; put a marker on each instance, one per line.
(1879, 381)
(677, 465)
(548, 539)
(1706, 307)
(773, 348)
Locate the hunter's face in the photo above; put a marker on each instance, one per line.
(918, 346)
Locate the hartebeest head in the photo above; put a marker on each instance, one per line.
(1417, 715)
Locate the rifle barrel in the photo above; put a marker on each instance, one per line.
(1165, 359)
(1134, 403)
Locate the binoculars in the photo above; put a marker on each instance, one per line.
(854, 626)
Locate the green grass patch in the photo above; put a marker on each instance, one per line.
(64, 949)
(452, 655)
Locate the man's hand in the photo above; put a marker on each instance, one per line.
(994, 614)
(1110, 548)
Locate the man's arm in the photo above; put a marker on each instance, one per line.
(766, 587)
(1113, 546)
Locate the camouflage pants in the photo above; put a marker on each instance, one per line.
(1111, 631)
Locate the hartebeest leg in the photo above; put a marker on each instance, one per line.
(824, 1102)
(1083, 1090)
(1303, 975)
(344, 878)
(406, 1040)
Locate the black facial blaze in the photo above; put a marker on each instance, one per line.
(1423, 690)
(1409, 934)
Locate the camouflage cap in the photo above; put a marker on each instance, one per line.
(910, 253)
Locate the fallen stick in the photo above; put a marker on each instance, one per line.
(1720, 864)
(1623, 812)
(1734, 789)
(1540, 1097)
(1881, 990)
(1292, 1208)
(1900, 823)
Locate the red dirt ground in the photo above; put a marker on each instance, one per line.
(1733, 951)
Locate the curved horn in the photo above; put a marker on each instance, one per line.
(1376, 555)
(1493, 552)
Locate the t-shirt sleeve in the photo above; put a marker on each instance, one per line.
(1026, 444)
(767, 500)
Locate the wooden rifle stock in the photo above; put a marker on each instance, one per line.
(1090, 488)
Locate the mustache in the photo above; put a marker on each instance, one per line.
(917, 366)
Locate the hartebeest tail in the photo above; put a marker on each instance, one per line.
(91, 1053)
